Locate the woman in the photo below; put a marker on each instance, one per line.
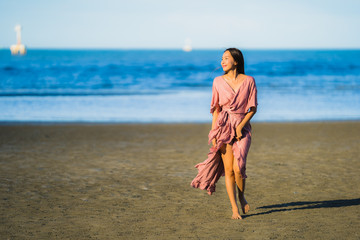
(233, 104)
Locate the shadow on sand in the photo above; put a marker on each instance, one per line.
(306, 205)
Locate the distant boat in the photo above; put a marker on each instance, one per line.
(187, 47)
(18, 49)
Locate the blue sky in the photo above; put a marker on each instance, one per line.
(255, 24)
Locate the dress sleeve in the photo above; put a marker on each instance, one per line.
(252, 100)
(215, 98)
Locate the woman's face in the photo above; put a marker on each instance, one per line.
(228, 62)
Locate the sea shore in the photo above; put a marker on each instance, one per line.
(132, 181)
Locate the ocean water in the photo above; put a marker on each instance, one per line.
(173, 86)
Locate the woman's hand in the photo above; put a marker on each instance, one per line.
(246, 119)
(238, 132)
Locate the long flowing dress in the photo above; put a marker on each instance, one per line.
(232, 106)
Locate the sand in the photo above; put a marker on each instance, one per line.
(128, 181)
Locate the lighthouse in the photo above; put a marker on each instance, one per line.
(18, 48)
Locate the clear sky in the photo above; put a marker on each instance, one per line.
(251, 24)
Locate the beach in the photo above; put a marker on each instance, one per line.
(132, 181)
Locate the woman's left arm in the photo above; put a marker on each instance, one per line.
(246, 119)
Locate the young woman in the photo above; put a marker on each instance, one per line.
(233, 104)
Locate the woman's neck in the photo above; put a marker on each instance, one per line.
(232, 75)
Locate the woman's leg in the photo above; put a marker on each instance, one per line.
(240, 182)
(228, 159)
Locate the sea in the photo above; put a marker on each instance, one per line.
(173, 86)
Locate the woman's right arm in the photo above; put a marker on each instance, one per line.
(213, 125)
(214, 107)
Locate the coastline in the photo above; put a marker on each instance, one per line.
(131, 181)
(114, 123)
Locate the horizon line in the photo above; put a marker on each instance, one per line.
(180, 49)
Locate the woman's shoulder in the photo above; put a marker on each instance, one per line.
(250, 79)
(217, 79)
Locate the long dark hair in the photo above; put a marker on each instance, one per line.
(239, 58)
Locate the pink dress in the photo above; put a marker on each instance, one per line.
(233, 107)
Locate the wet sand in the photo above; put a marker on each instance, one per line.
(128, 181)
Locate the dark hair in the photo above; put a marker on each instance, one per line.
(239, 58)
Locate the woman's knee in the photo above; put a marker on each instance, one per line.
(227, 156)
(237, 173)
(229, 170)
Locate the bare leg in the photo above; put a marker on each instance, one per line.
(240, 182)
(228, 158)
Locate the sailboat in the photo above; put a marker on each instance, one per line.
(187, 47)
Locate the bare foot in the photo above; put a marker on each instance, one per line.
(245, 207)
(236, 214)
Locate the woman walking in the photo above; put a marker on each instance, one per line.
(233, 104)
